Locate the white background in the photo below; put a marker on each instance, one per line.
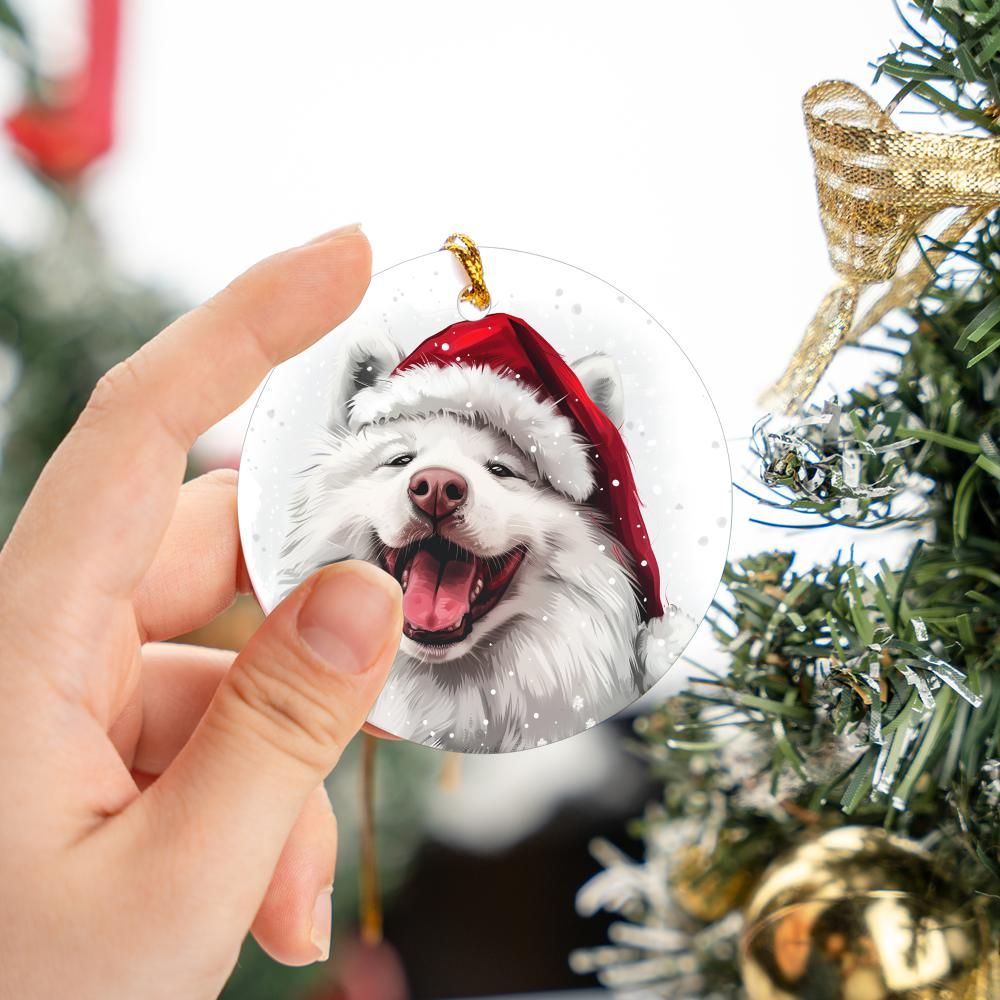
(658, 145)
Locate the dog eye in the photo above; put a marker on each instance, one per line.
(400, 460)
(500, 471)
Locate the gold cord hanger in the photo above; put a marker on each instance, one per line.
(371, 900)
(467, 252)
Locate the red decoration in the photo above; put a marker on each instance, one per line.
(511, 348)
(64, 136)
(366, 972)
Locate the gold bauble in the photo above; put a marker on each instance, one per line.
(859, 914)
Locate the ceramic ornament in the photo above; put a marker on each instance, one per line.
(531, 457)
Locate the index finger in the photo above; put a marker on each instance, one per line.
(104, 501)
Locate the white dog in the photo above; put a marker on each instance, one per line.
(523, 618)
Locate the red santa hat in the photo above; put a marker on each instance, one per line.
(501, 371)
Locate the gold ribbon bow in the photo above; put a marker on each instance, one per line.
(878, 187)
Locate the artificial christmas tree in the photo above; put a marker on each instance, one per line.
(856, 695)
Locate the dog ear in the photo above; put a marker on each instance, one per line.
(363, 363)
(603, 381)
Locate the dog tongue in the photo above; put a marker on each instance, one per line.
(437, 595)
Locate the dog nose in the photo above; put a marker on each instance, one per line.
(438, 492)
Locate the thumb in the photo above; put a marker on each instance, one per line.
(277, 725)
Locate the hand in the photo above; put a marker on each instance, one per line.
(159, 800)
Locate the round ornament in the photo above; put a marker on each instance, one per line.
(859, 914)
(533, 459)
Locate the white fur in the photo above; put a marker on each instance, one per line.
(535, 425)
(565, 647)
(602, 379)
(362, 363)
(561, 642)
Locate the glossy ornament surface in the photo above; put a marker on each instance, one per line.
(859, 914)
(546, 479)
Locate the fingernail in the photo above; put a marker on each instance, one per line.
(354, 227)
(322, 923)
(347, 615)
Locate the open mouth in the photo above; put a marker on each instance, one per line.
(446, 589)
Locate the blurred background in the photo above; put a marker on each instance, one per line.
(153, 151)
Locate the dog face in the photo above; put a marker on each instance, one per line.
(459, 516)
(455, 514)
(454, 510)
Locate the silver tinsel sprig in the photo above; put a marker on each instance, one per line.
(828, 464)
(881, 684)
(917, 720)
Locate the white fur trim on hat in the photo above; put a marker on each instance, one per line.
(660, 641)
(535, 425)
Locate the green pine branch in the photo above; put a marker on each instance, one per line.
(862, 694)
(951, 60)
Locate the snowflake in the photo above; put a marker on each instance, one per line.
(578, 704)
